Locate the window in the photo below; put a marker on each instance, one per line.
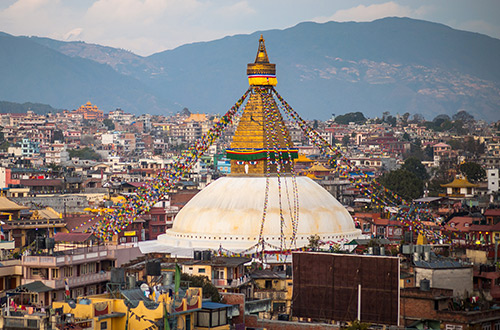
(35, 271)
(55, 273)
(201, 270)
(68, 271)
(486, 326)
(104, 325)
(269, 284)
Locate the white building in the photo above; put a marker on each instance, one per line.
(492, 175)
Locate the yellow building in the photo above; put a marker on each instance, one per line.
(90, 112)
(460, 187)
(225, 273)
(106, 312)
(275, 286)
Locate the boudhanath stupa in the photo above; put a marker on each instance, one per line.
(261, 203)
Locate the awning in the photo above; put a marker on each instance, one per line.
(37, 286)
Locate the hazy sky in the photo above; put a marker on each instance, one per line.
(149, 26)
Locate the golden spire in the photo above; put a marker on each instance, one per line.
(254, 141)
(261, 52)
(261, 73)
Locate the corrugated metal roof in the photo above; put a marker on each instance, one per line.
(437, 264)
(213, 305)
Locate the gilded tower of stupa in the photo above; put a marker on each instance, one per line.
(260, 136)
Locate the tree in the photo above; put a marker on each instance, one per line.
(109, 124)
(84, 153)
(463, 116)
(441, 118)
(405, 117)
(4, 146)
(199, 281)
(415, 166)
(455, 144)
(418, 118)
(314, 241)
(391, 121)
(87, 140)
(403, 183)
(428, 152)
(441, 176)
(473, 171)
(358, 325)
(458, 127)
(355, 117)
(346, 140)
(473, 146)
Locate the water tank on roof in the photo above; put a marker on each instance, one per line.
(117, 275)
(425, 285)
(197, 255)
(207, 255)
(288, 271)
(131, 281)
(427, 256)
(49, 243)
(168, 278)
(153, 268)
(40, 243)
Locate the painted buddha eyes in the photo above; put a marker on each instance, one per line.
(252, 162)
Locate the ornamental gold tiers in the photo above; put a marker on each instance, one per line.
(261, 139)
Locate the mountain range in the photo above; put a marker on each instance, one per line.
(392, 64)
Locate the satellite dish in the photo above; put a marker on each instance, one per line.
(144, 287)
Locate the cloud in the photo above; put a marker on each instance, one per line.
(364, 13)
(131, 11)
(236, 9)
(24, 7)
(73, 34)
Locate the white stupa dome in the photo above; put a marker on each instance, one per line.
(229, 213)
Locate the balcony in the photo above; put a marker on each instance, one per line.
(230, 283)
(26, 321)
(273, 295)
(7, 245)
(70, 257)
(39, 223)
(75, 281)
(11, 267)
